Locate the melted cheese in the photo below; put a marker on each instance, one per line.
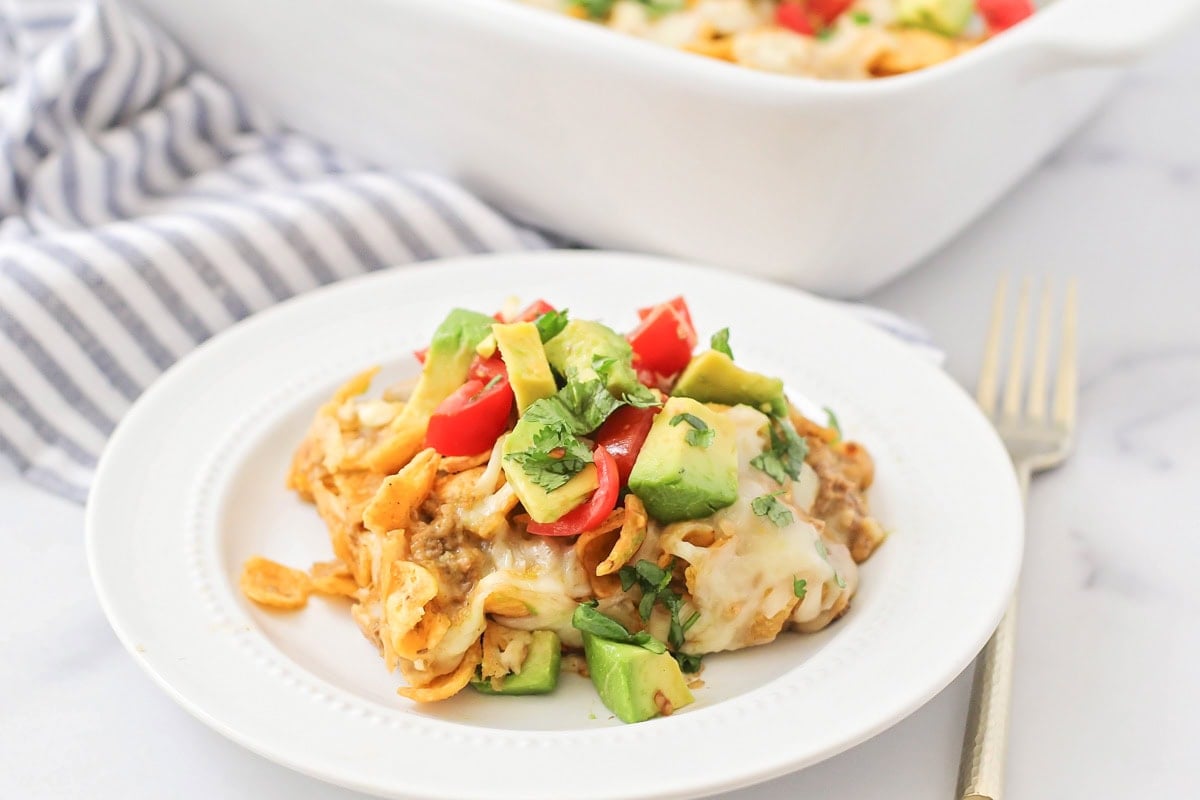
(743, 584)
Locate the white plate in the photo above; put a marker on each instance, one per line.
(192, 483)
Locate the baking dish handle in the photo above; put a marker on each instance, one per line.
(1099, 33)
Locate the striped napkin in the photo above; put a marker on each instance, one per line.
(146, 207)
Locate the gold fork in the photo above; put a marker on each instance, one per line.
(1038, 438)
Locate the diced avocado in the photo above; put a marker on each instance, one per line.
(446, 366)
(528, 370)
(449, 359)
(947, 17)
(573, 352)
(539, 673)
(712, 377)
(542, 505)
(678, 480)
(633, 682)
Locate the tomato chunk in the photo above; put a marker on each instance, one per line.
(484, 369)
(471, 419)
(623, 434)
(533, 311)
(1000, 15)
(681, 307)
(421, 355)
(826, 12)
(663, 342)
(594, 510)
(794, 17)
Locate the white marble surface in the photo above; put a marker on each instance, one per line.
(1107, 703)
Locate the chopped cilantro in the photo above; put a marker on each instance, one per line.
(800, 587)
(551, 324)
(588, 619)
(823, 551)
(596, 9)
(720, 342)
(768, 506)
(860, 17)
(638, 397)
(831, 421)
(700, 435)
(786, 454)
(578, 407)
(687, 661)
(655, 583)
(554, 457)
(825, 34)
(495, 379)
(839, 580)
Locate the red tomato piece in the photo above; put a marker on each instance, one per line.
(421, 354)
(681, 307)
(470, 420)
(794, 17)
(827, 11)
(486, 369)
(663, 342)
(1000, 15)
(623, 434)
(587, 516)
(533, 311)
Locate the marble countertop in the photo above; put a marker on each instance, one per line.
(1106, 699)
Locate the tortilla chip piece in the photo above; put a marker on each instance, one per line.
(411, 588)
(506, 604)
(447, 685)
(399, 441)
(594, 547)
(402, 493)
(463, 463)
(270, 583)
(633, 533)
(425, 635)
(333, 578)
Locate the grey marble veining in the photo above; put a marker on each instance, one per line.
(1106, 700)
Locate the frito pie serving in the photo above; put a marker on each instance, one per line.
(550, 486)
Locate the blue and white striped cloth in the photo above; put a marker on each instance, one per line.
(144, 207)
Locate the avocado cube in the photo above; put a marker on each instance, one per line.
(633, 682)
(539, 673)
(572, 352)
(712, 377)
(528, 370)
(947, 17)
(543, 505)
(678, 480)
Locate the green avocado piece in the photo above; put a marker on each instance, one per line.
(539, 673)
(677, 480)
(542, 505)
(712, 377)
(449, 359)
(573, 351)
(528, 370)
(947, 17)
(633, 682)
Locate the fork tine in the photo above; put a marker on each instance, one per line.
(989, 373)
(1016, 358)
(1066, 389)
(1035, 407)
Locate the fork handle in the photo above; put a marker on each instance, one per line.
(985, 741)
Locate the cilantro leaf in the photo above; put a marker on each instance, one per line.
(768, 506)
(659, 7)
(578, 407)
(554, 457)
(800, 587)
(687, 661)
(720, 342)
(839, 580)
(551, 324)
(861, 17)
(831, 421)
(590, 620)
(596, 9)
(786, 454)
(655, 583)
(700, 435)
(641, 397)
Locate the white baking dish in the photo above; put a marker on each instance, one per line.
(626, 144)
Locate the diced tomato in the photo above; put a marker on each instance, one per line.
(794, 17)
(623, 434)
(470, 420)
(1000, 15)
(421, 354)
(484, 369)
(827, 11)
(663, 342)
(533, 311)
(594, 511)
(681, 307)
